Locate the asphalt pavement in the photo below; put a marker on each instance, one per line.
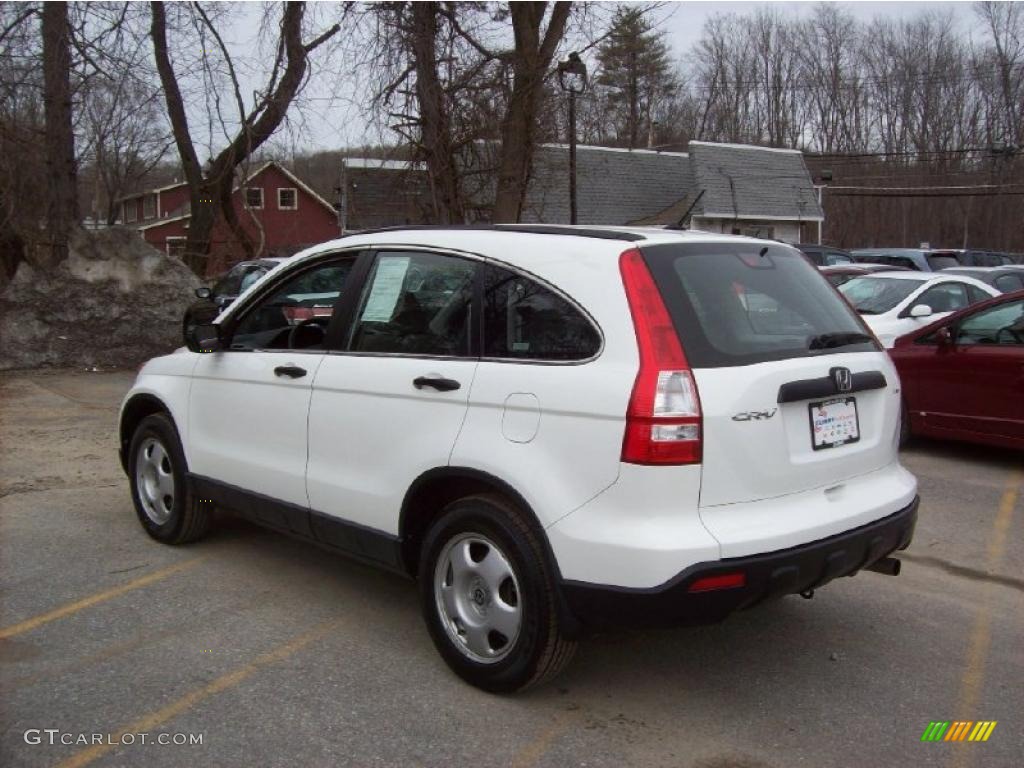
(273, 652)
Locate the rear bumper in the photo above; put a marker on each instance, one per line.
(769, 575)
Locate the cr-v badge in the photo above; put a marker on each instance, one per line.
(754, 415)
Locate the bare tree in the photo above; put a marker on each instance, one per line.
(210, 189)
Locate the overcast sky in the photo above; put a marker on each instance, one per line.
(335, 115)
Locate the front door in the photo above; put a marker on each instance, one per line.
(977, 384)
(388, 406)
(249, 402)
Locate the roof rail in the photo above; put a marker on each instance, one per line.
(536, 229)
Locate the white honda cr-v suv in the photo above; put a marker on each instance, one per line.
(551, 428)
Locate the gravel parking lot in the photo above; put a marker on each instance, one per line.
(277, 653)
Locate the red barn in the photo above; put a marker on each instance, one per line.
(274, 206)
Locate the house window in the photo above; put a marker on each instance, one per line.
(149, 207)
(131, 211)
(175, 246)
(287, 198)
(254, 198)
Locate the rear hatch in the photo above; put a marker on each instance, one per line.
(794, 391)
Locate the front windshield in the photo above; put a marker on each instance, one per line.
(875, 295)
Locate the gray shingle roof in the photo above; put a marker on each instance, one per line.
(619, 186)
(614, 186)
(768, 183)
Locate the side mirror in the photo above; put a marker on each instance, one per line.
(944, 338)
(203, 293)
(203, 338)
(921, 310)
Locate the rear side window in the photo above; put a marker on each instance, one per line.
(738, 305)
(416, 304)
(523, 320)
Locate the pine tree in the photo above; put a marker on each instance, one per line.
(635, 74)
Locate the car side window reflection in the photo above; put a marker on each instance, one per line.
(295, 315)
(417, 304)
(1003, 325)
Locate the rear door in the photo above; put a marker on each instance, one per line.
(388, 405)
(794, 394)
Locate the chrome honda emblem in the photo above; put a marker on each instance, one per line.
(843, 379)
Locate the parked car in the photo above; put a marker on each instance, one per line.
(976, 258)
(553, 429)
(963, 376)
(843, 273)
(212, 301)
(909, 258)
(895, 303)
(1003, 279)
(824, 255)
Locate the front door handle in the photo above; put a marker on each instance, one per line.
(291, 371)
(439, 383)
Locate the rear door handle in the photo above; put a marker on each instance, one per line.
(439, 383)
(291, 371)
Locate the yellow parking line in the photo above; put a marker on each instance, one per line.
(981, 636)
(100, 597)
(531, 753)
(229, 680)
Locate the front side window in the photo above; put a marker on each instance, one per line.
(296, 314)
(287, 198)
(997, 325)
(877, 295)
(945, 297)
(739, 305)
(416, 304)
(523, 320)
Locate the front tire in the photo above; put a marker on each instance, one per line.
(488, 597)
(157, 473)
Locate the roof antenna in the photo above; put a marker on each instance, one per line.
(684, 221)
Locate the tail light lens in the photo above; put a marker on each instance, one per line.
(663, 420)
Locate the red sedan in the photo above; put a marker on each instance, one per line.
(963, 375)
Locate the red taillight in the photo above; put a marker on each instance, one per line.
(722, 581)
(663, 420)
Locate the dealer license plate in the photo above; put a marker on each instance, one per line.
(834, 423)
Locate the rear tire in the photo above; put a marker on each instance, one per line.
(489, 597)
(157, 473)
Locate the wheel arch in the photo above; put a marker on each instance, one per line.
(135, 409)
(436, 488)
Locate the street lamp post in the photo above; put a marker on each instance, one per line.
(572, 78)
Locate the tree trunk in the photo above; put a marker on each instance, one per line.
(530, 63)
(61, 172)
(212, 192)
(435, 128)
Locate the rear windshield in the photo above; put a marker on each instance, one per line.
(939, 261)
(875, 295)
(737, 305)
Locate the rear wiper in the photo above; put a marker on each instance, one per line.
(832, 340)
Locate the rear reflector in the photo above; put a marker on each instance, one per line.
(663, 420)
(722, 581)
